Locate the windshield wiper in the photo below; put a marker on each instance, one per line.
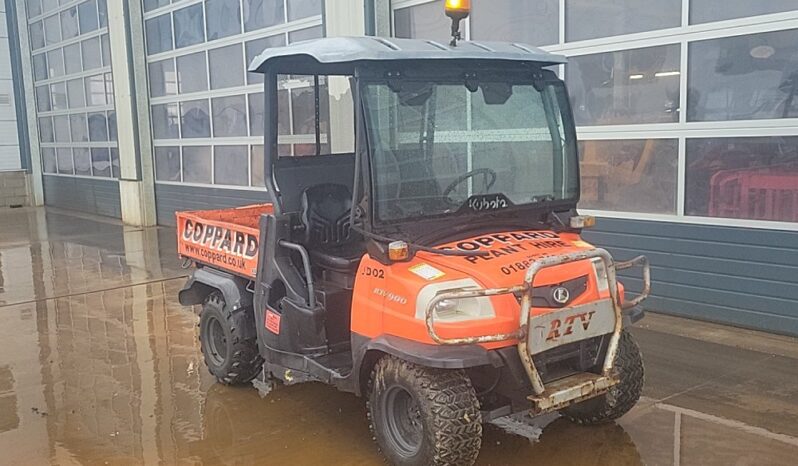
(419, 247)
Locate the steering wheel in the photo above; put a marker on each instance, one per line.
(488, 176)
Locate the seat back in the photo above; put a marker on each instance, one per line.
(325, 214)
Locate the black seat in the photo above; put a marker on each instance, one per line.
(329, 239)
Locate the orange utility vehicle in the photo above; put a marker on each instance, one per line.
(432, 262)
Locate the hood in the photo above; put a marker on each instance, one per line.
(510, 254)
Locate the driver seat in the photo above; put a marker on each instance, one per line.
(326, 210)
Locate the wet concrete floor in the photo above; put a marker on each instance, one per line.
(100, 365)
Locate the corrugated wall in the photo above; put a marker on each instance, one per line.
(745, 277)
(92, 195)
(172, 198)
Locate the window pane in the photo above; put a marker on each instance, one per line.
(72, 59)
(36, 35)
(704, 11)
(43, 98)
(634, 86)
(255, 47)
(115, 161)
(194, 119)
(192, 74)
(163, 79)
(77, 123)
(49, 5)
(55, 61)
(165, 121)
(427, 21)
(535, 23)
(34, 8)
(102, 10)
(112, 130)
(262, 13)
(283, 117)
(61, 128)
(257, 162)
(92, 54)
(189, 26)
(64, 157)
(52, 30)
(58, 95)
(95, 90)
(750, 178)
(256, 122)
(167, 163)
(231, 165)
(223, 18)
(226, 65)
(159, 34)
(305, 34)
(229, 116)
(69, 23)
(88, 16)
(153, 4)
(629, 175)
(603, 18)
(744, 77)
(101, 161)
(197, 164)
(298, 9)
(75, 93)
(46, 129)
(109, 88)
(106, 46)
(82, 158)
(98, 127)
(48, 160)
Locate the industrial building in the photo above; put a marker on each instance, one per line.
(686, 111)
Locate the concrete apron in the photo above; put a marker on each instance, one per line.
(101, 364)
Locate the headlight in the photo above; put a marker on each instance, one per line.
(601, 274)
(454, 310)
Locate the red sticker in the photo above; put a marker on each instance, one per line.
(273, 322)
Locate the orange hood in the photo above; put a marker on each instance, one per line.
(509, 256)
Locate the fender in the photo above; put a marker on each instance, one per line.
(205, 280)
(437, 356)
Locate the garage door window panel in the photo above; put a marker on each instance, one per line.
(750, 77)
(231, 165)
(197, 164)
(627, 87)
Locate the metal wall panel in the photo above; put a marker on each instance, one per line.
(741, 276)
(92, 195)
(171, 198)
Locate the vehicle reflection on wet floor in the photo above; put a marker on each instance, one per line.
(100, 365)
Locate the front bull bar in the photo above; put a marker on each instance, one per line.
(564, 394)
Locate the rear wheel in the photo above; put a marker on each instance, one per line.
(423, 416)
(622, 397)
(230, 356)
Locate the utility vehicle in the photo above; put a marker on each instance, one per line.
(432, 261)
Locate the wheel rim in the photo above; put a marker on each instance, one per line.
(403, 421)
(217, 342)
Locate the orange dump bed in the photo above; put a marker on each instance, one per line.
(226, 239)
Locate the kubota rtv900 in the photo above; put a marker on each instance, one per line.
(424, 253)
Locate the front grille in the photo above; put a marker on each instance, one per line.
(542, 295)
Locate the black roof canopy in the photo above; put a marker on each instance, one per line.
(347, 51)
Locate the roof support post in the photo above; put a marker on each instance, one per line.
(128, 64)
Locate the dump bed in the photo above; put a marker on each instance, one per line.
(226, 238)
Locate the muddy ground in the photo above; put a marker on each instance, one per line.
(100, 365)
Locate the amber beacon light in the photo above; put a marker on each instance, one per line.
(457, 10)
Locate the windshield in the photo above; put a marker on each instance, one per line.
(443, 148)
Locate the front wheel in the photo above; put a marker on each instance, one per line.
(423, 416)
(622, 397)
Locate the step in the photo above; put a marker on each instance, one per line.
(578, 387)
